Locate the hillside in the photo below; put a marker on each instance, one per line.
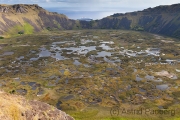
(28, 19)
(14, 107)
(160, 20)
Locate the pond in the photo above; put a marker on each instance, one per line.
(21, 91)
(20, 58)
(40, 92)
(105, 47)
(162, 87)
(138, 78)
(44, 53)
(7, 53)
(76, 62)
(149, 77)
(103, 54)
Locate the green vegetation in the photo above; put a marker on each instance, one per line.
(138, 28)
(48, 28)
(87, 86)
(57, 24)
(77, 25)
(26, 28)
(21, 32)
(1, 37)
(84, 115)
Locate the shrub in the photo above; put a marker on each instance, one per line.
(12, 92)
(21, 32)
(48, 28)
(1, 37)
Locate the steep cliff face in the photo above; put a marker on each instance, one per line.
(115, 23)
(18, 8)
(160, 20)
(29, 19)
(15, 107)
(57, 21)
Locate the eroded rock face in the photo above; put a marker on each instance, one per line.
(19, 15)
(14, 107)
(18, 8)
(4, 9)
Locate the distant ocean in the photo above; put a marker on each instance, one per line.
(73, 14)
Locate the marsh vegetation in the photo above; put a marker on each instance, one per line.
(87, 72)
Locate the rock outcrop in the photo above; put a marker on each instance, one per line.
(14, 107)
(17, 8)
(4, 9)
(20, 9)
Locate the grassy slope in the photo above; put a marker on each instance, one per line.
(26, 28)
(14, 107)
(20, 23)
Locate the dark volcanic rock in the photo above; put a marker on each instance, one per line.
(4, 9)
(19, 9)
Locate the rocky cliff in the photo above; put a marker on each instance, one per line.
(15, 107)
(29, 19)
(160, 20)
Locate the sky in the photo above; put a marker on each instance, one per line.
(95, 9)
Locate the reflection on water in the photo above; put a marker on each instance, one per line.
(7, 53)
(20, 58)
(33, 85)
(68, 97)
(58, 52)
(40, 92)
(44, 53)
(162, 87)
(85, 65)
(76, 62)
(111, 61)
(138, 78)
(33, 59)
(105, 47)
(58, 104)
(22, 91)
(58, 56)
(148, 77)
(67, 80)
(142, 90)
(62, 71)
(103, 54)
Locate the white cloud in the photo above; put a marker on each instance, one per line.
(106, 6)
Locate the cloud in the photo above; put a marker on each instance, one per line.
(93, 8)
(96, 4)
(130, 2)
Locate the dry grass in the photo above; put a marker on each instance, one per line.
(12, 107)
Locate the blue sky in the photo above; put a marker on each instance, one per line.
(95, 9)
